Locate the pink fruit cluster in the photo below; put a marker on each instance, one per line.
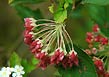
(94, 39)
(37, 48)
(98, 43)
(95, 36)
(27, 33)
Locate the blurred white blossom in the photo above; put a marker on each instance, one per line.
(5, 72)
(17, 71)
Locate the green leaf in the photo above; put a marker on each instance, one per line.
(51, 8)
(10, 1)
(25, 12)
(60, 16)
(99, 15)
(57, 74)
(16, 2)
(37, 14)
(107, 64)
(35, 61)
(14, 60)
(27, 66)
(77, 13)
(69, 1)
(65, 72)
(75, 72)
(86, 67)
(98, 2)
(66, 5)
(105, 27)
(96, 13)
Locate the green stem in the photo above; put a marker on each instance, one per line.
(107, 64)
(58, 41)
(48, 36)
(43, 35)
(51, 41)
(63, 43)
(103, 58)
(46, 20)
(68, 37)
(42, 31)
(47, 24)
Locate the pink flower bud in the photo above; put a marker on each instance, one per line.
(96, 28)
(89, 37)
(99, 66)
(73, 57)
(97, 38)
(36, 46)
(44, 62)
(104, 41)
(28, 23)
(57, 57)
(27, 37)
(106, 74)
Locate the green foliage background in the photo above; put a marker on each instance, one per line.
(79, 21)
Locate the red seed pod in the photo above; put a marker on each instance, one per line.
(73, 57)
(33, 44)
(97, 38)
(28, 24)
(104, 41)
(89, 37)
(44, 62)
(27, 37)
(99, 66)
(27, 34)
(95, 28)
(28, 40)
(106, 74)
(66, 62)
(36, 46)
(40, 55)
(70, 60)
(36, 50)
(57, 57)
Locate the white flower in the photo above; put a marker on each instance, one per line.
(18, 71)
(15, 75)
(5, 72)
